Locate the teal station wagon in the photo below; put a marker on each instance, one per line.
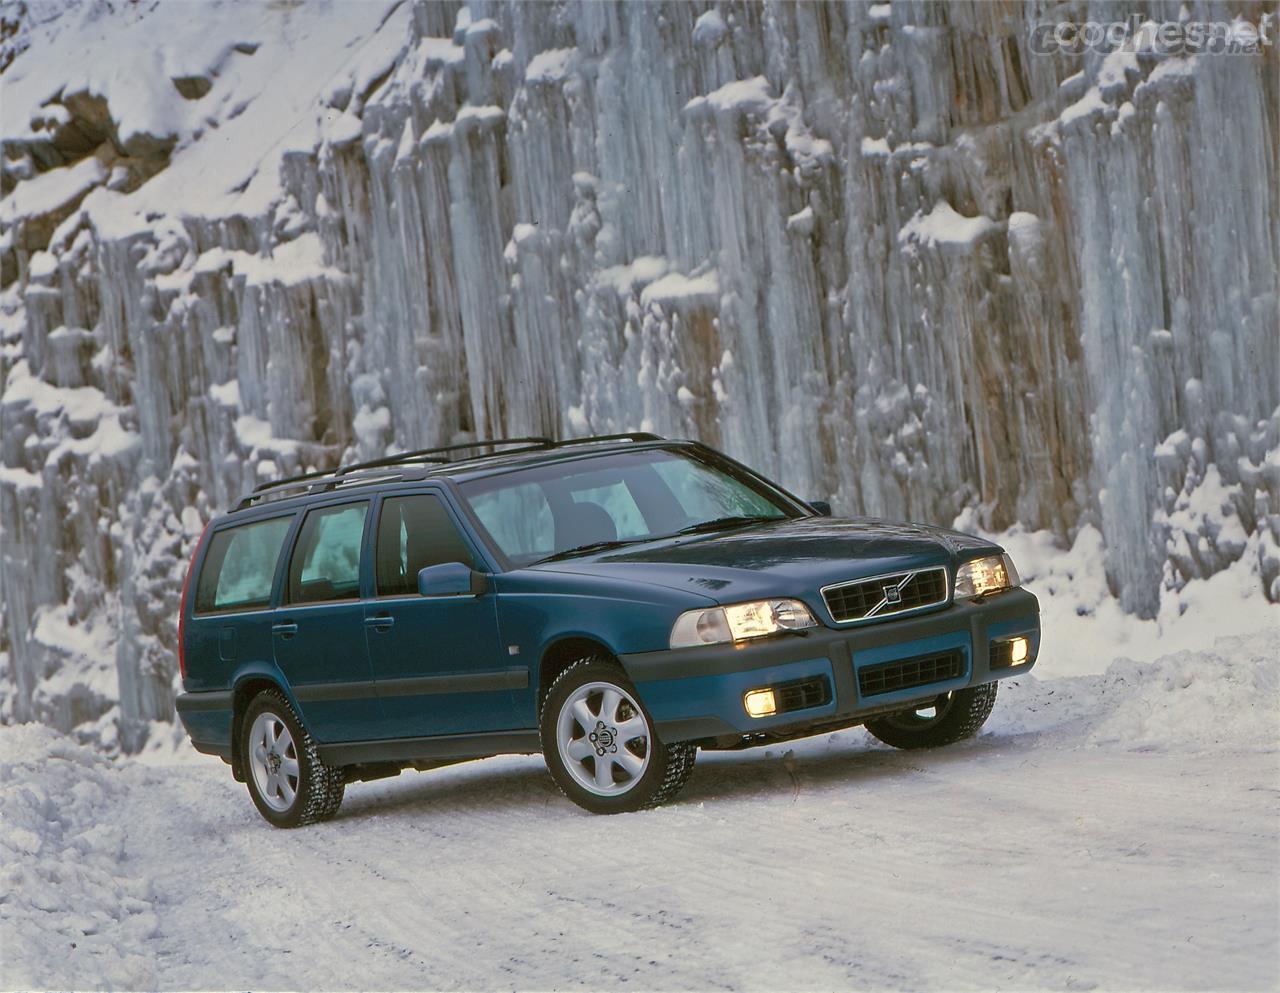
(615, 603)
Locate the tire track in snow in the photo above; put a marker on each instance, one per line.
(999, 863)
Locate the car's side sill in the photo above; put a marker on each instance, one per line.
(453, 746)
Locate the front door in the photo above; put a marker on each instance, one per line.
(318, 630)
(438, 661)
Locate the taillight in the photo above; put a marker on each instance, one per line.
(182, 604)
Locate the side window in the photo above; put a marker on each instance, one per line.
(326, 558)
(415, 532)
(240, 566)
(519, 518)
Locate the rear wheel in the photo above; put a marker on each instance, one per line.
(288, 783)
(946, 718)
(600, 746)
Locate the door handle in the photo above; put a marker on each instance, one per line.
(380, 622)
(286, 629)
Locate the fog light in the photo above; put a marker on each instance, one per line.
(760, 703)
(1019, 648)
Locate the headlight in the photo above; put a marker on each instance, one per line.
(739, 622)
(983, 576)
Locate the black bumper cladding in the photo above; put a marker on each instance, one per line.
(907, 673)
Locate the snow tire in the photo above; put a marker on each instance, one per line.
(966, 712)
(320, 787)
(669, 765)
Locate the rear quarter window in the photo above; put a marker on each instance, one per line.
(240, 566)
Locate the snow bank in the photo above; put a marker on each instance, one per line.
(1085, 627)
(70, 907)
(1223, 699)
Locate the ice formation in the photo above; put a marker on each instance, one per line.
(883, 252)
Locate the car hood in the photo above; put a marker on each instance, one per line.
(789, 558)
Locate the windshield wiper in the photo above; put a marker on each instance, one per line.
(588, 548)
(723, 523)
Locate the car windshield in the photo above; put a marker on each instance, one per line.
(605, 501)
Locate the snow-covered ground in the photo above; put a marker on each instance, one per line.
(1113, 827)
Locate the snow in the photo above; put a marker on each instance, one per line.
(227, 394)
(740, 96)
(675, 288)
(76, 913)
(255, 433)
(1088, 105)
(640, 272)
(550, 66)
(81, 404)
(709, 29)
(1113, 830)
(1078, 610)
(52, 190)
(945, 227)
(243, 48)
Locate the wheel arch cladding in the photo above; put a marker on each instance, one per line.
(562, 653)
(244, 692)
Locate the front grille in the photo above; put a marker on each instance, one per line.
(885, 596)
(908, 673)
(801, 694)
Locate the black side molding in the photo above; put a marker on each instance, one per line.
(453, 746)
(459, 682)
(317, 692)
(190, 703)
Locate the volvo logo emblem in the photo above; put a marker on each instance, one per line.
(892, 594)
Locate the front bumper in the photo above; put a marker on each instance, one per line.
(696, 693)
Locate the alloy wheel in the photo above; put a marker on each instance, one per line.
(603, 739)
(273, 761)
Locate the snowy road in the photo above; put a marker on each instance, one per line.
(1075, 845)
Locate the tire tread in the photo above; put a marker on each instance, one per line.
(325, 785)
(971, 708)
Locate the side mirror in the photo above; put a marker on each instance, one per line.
(822, 507)
(451, 579)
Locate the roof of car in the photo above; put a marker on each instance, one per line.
(435, 463)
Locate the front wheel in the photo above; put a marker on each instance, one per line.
(946, 718)
(600, 746)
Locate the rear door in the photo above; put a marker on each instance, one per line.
(318, 629)
(231, 621)
(438, 661)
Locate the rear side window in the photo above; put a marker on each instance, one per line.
(326, 558)
(240, 566)
(415, 532)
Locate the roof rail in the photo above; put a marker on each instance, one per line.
(427, 454)
(321, 480)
